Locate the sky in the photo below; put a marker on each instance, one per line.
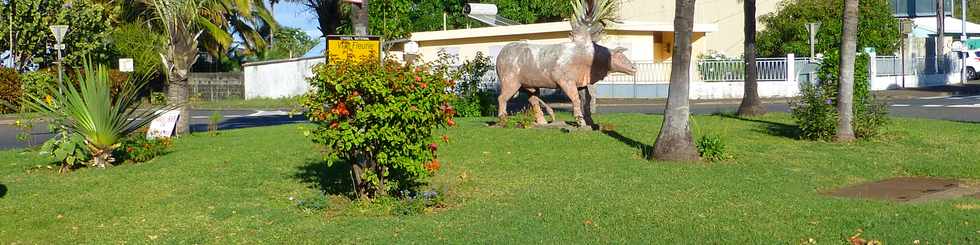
(297, 16)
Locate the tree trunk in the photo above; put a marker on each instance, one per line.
(359, 18)
(751, 104)
(178, 93)
(328, 16)
(587, 96)
(848, 52)
(675, 142)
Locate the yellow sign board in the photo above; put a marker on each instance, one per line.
(353, 49)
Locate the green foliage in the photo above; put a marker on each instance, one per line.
(38, 84)
(66, 148)
(415, 203)
(10, 90)
(137, 148)
(379, 117)
(533, 11)
(314, 204)
(90, 23)
(137, 41)
(524, 119)
(785, 31)
(158, 98)
(213, 121)
(91, 111)
(972, 11)
(816, 109)
(470, 101)
(712, 148)
(290, 42)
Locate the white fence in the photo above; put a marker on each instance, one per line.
(711, 79)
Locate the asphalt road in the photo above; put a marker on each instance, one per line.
(954, 108)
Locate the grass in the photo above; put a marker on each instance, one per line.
(512, 186)
(262, 103)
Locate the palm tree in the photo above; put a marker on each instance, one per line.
(675, 142)
(184, 22)
(327, 13)
(751, 104)
(360, 17)
(848, 52)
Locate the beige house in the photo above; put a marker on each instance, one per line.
(647, 31)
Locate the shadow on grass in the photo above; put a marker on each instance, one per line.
(771, 128)
(330, 179)
(249, 122)
(3, 190)
(646, 150)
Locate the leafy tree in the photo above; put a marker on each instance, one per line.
(90, 23)
(785, 31)
(290, 42)
(675, 142)
(533, 11)
(972, 11)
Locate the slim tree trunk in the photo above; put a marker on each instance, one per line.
(751, 104)
(848, 52)
(675, 142)
(359, 18)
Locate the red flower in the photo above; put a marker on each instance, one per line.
(433, 165)
(342, 109)
(424, 85)
(450, 122)
(334, 124)
(418, 79)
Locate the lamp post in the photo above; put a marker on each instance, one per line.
(812, 28)
(59, 35)
(963, 40)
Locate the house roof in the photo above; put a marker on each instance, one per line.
(925, 26)
(549, 27)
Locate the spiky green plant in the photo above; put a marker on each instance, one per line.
(90, 110)
(594, 16)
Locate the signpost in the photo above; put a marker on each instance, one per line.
(163, 126)
(59, 35)
(353, 49)
(812, 28)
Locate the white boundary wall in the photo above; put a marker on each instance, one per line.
(279, 78)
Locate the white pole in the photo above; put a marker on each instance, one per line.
(963, 40)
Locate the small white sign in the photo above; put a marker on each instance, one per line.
(163, 126)
(126, 65)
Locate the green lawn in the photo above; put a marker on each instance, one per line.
(281, 103)
(512, 186)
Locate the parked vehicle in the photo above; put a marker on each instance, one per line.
(971, 60)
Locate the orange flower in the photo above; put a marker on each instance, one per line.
(445, 138)
(433, 165)
(450, 122)
(424, 85)
(334, 124)
(418, 79)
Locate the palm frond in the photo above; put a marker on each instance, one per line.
(594, 16)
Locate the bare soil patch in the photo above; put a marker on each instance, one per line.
(910, 189)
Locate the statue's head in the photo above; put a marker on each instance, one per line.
(621, 63)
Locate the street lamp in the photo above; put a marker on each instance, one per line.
(59, 35)
(812, 28)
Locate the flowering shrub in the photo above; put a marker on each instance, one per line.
(378, 117)
(139, 149)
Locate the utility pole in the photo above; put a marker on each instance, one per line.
(963, 40)
(10, 12)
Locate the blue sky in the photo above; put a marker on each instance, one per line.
(297, 16)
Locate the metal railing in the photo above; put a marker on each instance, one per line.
(892, 65)
(770, 69)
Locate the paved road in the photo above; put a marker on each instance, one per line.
(232, 119)
(955, 108)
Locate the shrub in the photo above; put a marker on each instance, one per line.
(137, 148)
(712, 148)
(470, 101)
(816, 108)
(38, 83)
(10, 91)
(378, 117)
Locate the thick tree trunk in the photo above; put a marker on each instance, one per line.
(751, 104)
(178, 92)
(675, 142)
(328, 16)
(848, 52)
(359, 18)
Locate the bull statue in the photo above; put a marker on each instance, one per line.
(528, 67)
(568, 66)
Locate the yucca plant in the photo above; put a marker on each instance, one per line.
(89, 110)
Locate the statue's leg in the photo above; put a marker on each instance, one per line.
(507, 90)
(536, 102)
(572, 92)
(587, 95)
